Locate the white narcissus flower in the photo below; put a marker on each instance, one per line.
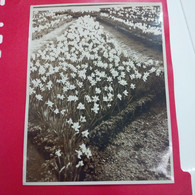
(125, 93)
(80, 164)
(132, 76)
(132, 86)
(110, 88)
(76, 127)
(69, 121)
(158, 71)
(105, 99)
(61, 97)
(152, 70)
(119, 96)
(63, 111)
(80, 106)
(110, 96)
(97, 90)
(85, 133)
(31, 91)
(109, 105)
(88, 98)
(49, 85)
(95, 98)
(49, 103)
(109, 79)
(79, 153)
(80, 84)
(82, 119)
(39, 97)
(95, 108)
(114, 73)
(83, 147)
(72, 98)
(122, 82)
(145, 77)
(58, 153)
(88, 153)
(85, 150)
(36, 82)
(42, 70)
(56, 111)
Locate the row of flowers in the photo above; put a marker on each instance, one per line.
(45, 21)
(145, 18)
(76, 81)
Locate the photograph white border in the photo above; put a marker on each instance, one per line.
(113, 4)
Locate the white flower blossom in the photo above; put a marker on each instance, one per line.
(41, 70)
(56, 111)
(123, 82)
(85, 150)
(58, 153)
(49, 103)
(132, 86)
(95, 108)
(61, 97)
(31, 90)
(44, 78)
(85, 133)
(125, 93)
(97, 90)
(79, 153)
(80, 164)
(88, 98)
(63, 111)
(49, 85)
(39, 97)
(72, 98)
(109, 79)
(109, 105)
(119, 96)
(69, 121)
(76, 127)
(132, 76)
(105, 99)
(80, 106)
(158, 71)
(82, 119)
(110, 96)
(95, 98)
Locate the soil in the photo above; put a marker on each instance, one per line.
(140, 152)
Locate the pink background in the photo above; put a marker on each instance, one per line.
(13, 75)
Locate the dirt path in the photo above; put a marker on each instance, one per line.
(140, 152)
(39, 43)
(135, 49)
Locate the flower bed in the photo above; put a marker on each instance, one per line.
(46, 21)
(141, 22)
(77, 81)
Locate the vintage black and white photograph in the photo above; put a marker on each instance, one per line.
(97, 109)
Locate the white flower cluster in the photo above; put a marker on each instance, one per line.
(44, 21)
(146, 18)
